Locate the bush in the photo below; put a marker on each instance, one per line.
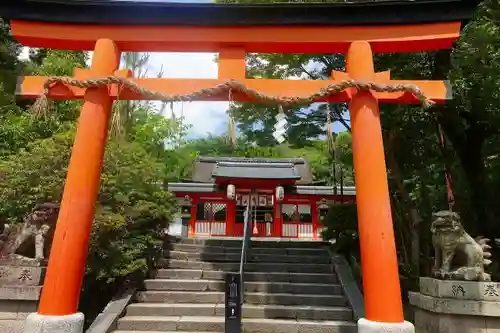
(341, 225)
(131, 210)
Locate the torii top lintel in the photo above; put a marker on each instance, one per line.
(233, 31)
(390, 26)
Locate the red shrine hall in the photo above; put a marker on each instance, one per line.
(282, 200)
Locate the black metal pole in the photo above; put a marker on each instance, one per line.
(341, 185)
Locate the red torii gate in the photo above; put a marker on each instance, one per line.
(382, 295)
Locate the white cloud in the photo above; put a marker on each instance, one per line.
(204, 117)
(24, 53)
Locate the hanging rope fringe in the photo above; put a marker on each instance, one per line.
(231, 130)
(231, 124)
(41, 105)
(329, 132)
(447, 171)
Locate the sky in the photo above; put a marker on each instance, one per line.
(204, 117)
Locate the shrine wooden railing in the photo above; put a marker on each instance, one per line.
(210, 228)
(298, 229)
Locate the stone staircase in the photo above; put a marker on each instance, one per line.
(290, 287)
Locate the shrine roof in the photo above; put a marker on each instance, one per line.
(299, 189)
(206, 169)
(261, 170)
(135, 12)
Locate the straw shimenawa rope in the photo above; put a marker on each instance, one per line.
(42, 103)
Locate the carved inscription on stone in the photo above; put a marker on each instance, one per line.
(457, 290)
(463, 290)
(21, 276)
(491, 289)
(25, 275)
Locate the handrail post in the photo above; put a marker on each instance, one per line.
(244, 249)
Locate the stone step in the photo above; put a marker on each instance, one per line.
(269, 287)
(251, 266)
(197, 297)
(249, 276)
(220, 249)
(251, 257)
(255, 243)
(249, 311)
(216, 324)
(295, 299)
(179, 297)
(136, 331)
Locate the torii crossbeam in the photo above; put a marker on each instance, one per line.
(232, 31)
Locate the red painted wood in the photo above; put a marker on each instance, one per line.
(234, 229)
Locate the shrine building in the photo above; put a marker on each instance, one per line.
(282, 198)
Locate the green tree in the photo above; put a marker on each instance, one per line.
(123, 111)
(18, 127)
(9, 63)
(154, 131)
(306, 122)
(131, 197)
(417, 164)
(132, 208)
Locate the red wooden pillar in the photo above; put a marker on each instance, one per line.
(379, 264)
(278, 221)
(61, 290)
(231, 218)
(192, 222)
(315, 218)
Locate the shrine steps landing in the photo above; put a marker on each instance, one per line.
(290, 287)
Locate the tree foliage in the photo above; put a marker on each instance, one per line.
(132, 205)
(132, 208)
(416, 161)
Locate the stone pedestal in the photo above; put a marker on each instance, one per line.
(456, 306)
(20, 287)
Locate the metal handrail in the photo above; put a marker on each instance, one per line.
(244, 248)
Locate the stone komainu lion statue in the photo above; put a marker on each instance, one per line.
(35, 229)
(458, 255)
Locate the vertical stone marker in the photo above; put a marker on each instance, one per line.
(233, 303)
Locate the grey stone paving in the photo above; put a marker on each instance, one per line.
(290, 287)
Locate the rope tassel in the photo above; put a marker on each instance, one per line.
(329, 132)
(231, 131)
(41, 106)
(231, 124)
